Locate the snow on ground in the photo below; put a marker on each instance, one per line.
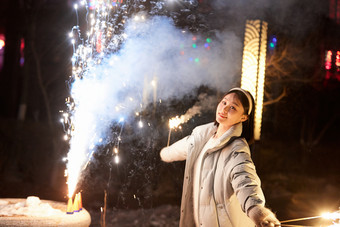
(32, 206)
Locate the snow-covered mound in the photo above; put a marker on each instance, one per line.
(33, 207)
(43, 213)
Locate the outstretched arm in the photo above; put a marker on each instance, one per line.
(177, 151)
(247, 187)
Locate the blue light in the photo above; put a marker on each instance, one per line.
(272, 42)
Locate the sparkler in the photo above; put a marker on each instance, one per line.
(169, 137)
(334, 217)
(286, 225)
(174, 123)
(204, 102)
(103, 211)
(300, 219)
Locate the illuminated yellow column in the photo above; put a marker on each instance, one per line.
(253, 66)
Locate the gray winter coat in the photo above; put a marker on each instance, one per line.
(229, 185)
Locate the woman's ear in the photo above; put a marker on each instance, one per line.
(244, 118)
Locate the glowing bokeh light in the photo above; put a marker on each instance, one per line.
(328, 60)
(2, 43)
(337, 61)
(253, 66)
(331, 216)
(175, 122)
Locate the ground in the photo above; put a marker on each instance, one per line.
(293, 185)
(289, 197)
(165, 216)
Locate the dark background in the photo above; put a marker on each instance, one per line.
(297, 158)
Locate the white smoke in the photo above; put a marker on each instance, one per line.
(155, 50)
(204, 103)
(157, 59)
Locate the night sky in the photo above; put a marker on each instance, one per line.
(297, 157)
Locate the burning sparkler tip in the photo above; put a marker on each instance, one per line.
(116, 159)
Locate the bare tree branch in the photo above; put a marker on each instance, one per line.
(277, 99)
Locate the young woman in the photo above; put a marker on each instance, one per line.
(221, 187)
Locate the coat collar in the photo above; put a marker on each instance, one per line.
(234, 131)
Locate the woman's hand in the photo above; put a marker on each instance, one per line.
(263, 217)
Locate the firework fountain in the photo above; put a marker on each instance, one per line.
(127, 46)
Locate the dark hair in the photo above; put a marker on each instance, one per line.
(248, 125)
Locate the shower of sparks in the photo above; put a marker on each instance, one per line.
(176, 121)
(88, 53)
(206, 102)
(335, 216)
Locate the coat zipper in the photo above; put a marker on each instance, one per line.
(199, 193)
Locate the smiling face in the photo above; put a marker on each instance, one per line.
(230, 111)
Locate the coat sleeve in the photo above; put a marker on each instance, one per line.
(245, 181)
(177, 151)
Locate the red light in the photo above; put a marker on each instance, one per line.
(328, 60)
(337, 61)
(2, 44)
(22, 44)
(2, 41)
(22, 53)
